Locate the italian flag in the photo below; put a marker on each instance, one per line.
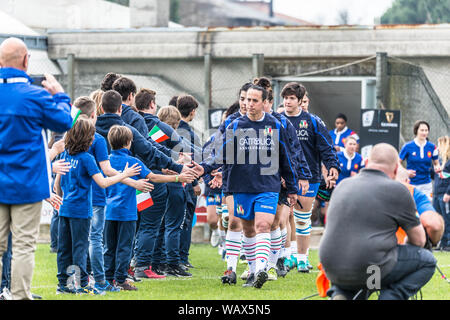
(157, 135)
(75, 113)
(144, 200)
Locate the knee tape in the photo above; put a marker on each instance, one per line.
(219, 209)
(225, 215)
(302, 223)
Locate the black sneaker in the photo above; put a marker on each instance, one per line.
(250, 280)
(281, 268)
(260, 278)
(229, 277)
(189, 265)
(159, 270)
(184, 267)
(177, 271)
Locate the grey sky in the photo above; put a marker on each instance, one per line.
(327, 11)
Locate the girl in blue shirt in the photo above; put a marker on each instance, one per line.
(420, 155)
(76, 210)
(350, 161)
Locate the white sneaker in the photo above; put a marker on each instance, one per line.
(215, 238)
(220, 250)
(6, 294)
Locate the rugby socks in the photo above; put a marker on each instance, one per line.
(262, 251)
(232, 247)
(249, 245)
(275, 247)
(302, 257)
(283, 251)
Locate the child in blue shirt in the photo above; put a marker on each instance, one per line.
(121, 207)
(350, 161)
(76, 211)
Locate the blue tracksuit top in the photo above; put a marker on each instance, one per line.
(140, 147)
(250, 155)
(295, 148)
(26, 111)
(316, 143)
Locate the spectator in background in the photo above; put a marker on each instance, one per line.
(350, 161)
(25, 111)
(342, 132)
(305, 102)
(420, 155)
(97, 96)
(108, 80)
(441, 196)
(173, 101)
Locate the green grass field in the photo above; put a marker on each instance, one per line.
(205, 283)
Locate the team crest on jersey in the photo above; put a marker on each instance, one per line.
(414, 154)
(217, 198)
(429, 154)
(268, 131)
(240, 210)
(356, 166)
(303, 124)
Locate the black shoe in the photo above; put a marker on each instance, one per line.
(53, 250)
(36, 297)
(260, 279)
(250, 280)
(184, 267)
(229, 277)
(447, 249)
(158, 270)
(189, 265)
(177, 271)
(281, 268)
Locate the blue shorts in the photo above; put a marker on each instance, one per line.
(312, 191)
(246, 204)
(214, 199)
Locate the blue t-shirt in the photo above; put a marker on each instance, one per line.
(76, 186)
(419, 158)
(339, 138)
(121, 202)
(349, 164)
(99, 150)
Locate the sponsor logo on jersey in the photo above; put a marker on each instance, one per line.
(414, 154)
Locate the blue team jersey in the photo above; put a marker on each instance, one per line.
(315, 142)
(77, 186)
(349, 164)
(99, 150)
(339, 138)
(121, 202)
(419, 158)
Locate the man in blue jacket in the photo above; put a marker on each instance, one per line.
(26, 111)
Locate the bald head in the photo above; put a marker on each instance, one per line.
(14, 54)
(402, 175)
(384, 157)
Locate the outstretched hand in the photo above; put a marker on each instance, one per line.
(132, 171)
(144, 185)
(198, 169)
(61, 167)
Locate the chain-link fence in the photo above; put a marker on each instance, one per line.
(420, 90)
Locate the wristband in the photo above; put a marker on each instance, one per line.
(176, 178)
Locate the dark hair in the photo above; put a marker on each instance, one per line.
(266, 84)
(111, 101)
(173, 101)
(232, 109)
(143, 99)
(418, 124)
(80, 137)
(186, 104)
(86, 105)
(264, 93)
(245, 87)
(108, 81)
(124, 86)
(341, 116)
(293, 89)
(119, 137)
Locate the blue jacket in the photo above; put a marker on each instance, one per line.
(140, 147)
(316, 143)
(441, 184)
(268, 138)
(295, 148)
(26, 111)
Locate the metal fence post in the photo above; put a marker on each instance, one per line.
(258, 65)
(71, 75)
(382, 80)
(208, 88)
